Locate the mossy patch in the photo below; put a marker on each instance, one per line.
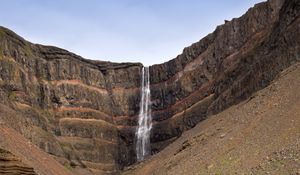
(1, 51)
(12, 95)
(2, 35)
(68, 166)
(28, 50)
(2, 32)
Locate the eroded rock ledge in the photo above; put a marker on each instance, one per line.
(10, 164)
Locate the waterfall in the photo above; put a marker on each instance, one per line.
(145, 119)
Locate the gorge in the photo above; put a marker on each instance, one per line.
(95, 117)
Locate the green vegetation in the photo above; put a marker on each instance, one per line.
(2, 32)
(64, 144)
(1, 49)
(28, 50)
(67, 166)
(12, 95)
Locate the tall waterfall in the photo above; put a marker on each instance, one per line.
(145, 119)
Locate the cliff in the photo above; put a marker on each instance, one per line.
(84, 112)
(260, 135)
(68, 105)
(224, 68)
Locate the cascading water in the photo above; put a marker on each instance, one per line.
(145, 119)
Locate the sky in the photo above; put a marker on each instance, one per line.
(146, 31)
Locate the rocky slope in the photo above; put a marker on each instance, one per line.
(21, 157)
(84, 112)
(10, 164)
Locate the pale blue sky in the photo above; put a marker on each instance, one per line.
(147, 31)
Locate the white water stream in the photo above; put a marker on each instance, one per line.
(145, 119)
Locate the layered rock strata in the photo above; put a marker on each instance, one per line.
(84, 112)
(10, 164)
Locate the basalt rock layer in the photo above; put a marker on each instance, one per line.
(10, 164)
(84, 112)
(68, 105)
(224, 68)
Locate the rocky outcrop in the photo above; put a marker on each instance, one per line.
(10, 164)
(84, 112)
(29, 154)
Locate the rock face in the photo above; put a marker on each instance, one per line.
(237, 59)
(260, 135)
(67, 105)
(10, 164)
(84, 112)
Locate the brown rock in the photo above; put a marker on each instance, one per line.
(85, 112)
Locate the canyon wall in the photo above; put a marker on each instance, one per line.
(227, 66)
(68, 106)
(84, 112)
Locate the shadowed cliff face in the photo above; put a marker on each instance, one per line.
(84, 112)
